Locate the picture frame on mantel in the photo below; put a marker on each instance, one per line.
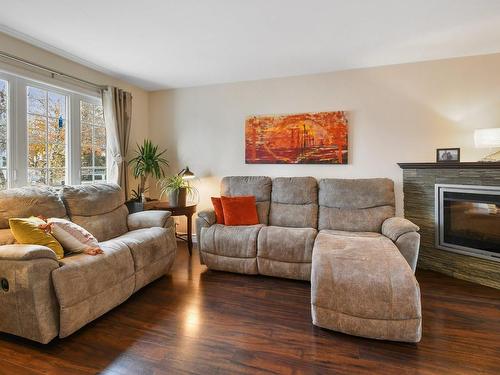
(448, 155)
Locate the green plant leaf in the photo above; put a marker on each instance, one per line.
(148, 162)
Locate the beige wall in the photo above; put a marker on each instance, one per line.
(399, 113)
(140, 102)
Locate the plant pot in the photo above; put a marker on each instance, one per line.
(173, 198)
(177, 198)
(182, 197)
(134, 206)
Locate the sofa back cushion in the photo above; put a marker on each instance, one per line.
(29, 201)
(258, 186)
(358, 205)
(294, 202)
(99, 208)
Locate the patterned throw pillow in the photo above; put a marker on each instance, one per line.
(33, 231)
(73, 237)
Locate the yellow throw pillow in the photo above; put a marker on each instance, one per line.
(27, 231)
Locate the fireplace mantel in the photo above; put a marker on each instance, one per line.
(452, 165)
(419, 180)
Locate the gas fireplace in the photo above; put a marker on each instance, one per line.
(468, 220)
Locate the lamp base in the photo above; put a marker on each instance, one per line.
(492, 157)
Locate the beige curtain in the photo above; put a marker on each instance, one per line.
(117, 106)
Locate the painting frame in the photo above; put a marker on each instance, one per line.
(298, 138)
(454, 153)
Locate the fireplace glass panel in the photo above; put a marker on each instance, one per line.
(472, 220)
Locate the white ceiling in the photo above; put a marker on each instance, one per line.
(164, 44)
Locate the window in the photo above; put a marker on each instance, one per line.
(4, 91)
(93, 143)
(47, 118)
(49, 135)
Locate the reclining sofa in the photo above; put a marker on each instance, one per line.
(41, 297)
(341, 235)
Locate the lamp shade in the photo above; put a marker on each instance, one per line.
(486, 138)
(186, 174)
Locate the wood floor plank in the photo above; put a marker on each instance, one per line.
(197, 321)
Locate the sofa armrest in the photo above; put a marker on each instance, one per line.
(408, 245)
(148, 219)
(26, 252)
(28, 304)
(208, 216)
(205, 219)
(394, 227)
(404, 234)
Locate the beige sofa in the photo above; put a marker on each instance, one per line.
(339, 234)
(41, 297)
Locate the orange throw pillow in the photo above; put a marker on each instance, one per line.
(239, 210)
(219, 213)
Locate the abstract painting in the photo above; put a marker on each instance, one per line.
(305, 138)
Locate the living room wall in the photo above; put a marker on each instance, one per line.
(140, 107)
(398, 113)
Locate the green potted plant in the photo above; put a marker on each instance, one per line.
(147, 162)
(177, 189)
(135, 203)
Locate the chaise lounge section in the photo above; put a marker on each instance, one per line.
(341, 235)
(361, 283)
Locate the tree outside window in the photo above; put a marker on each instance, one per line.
(93, 143)
(47, 123)
(3, 133)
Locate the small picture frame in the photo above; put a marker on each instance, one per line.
(447, 155)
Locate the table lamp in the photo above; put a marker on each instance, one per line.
(488, 138)
(186, 174)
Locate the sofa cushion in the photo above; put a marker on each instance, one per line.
(293, 245)
(146, 245)
(29, 201)
(153, 250)
(82, 276)
(91, 200)
(229, 248)
(355, 205)
(294, 202)
(285, 252)
(105, 226)
(88, 286)
(362, 285)
(239, 210)
(99, 208)
(258, 186)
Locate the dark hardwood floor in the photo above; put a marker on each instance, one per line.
(204, 322)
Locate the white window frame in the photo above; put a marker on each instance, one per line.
(78, 141)
(17, 128)
(11, 130)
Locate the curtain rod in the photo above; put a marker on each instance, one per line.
(49, 70)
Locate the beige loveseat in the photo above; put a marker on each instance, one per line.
(341, 235)
(41, 297)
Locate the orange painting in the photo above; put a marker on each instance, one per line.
(305, 138)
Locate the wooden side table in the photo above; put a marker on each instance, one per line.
(187, 211)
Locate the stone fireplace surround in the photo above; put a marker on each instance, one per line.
(419, 180)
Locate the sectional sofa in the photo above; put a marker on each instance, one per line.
(341, 235)
(41, 297)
